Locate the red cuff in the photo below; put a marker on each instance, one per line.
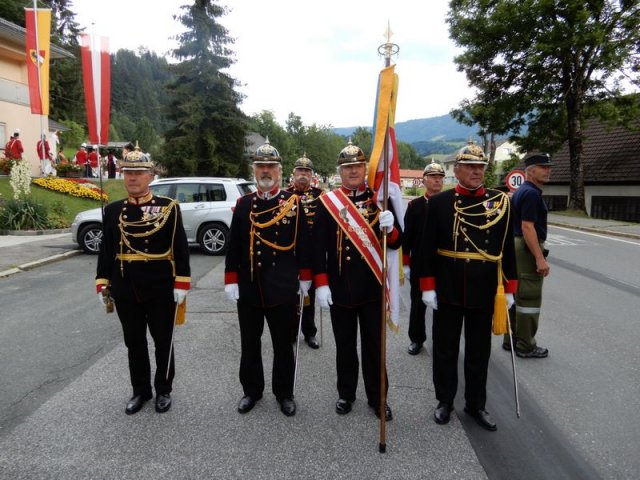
(393, 236)
(406, 260)
(427, 283)
(511, 286)
(230, 277)
(320, 280)
(305, 274)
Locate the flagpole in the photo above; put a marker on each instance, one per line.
(386, 50)
(37, 34)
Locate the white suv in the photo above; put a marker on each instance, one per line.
(206, 204)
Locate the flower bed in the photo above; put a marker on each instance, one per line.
(76, 187)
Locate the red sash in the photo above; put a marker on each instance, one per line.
(356, 228)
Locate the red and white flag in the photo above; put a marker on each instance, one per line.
(96, 73)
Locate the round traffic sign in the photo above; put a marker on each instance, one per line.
(417, 182)
(514, 179)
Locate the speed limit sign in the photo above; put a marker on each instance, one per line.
(515, 179)
(417, 182)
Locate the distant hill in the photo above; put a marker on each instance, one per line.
(434, 129)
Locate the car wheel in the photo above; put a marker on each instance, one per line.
(90, 238)
(214, 239)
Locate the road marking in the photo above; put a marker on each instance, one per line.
(562, 241)
(618, 239)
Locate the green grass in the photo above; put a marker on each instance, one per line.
(114, 188)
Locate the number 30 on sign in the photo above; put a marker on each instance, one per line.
(514, 179)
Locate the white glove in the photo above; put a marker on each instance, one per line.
(102, 299)
(510, 300)
(232, 291)
(386, 219)
(179, 295)
(323, 294)
(407, 271)
(429, 299)
(305, 285)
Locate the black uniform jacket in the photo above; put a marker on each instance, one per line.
(338, 263)
(157, 229)
(308, 201)
(280, 251)
(415, 218)
(463, 282)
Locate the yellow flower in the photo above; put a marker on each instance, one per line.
(62, 185)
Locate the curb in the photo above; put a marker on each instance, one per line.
(44, 261)
(30, 233)
(596, 230)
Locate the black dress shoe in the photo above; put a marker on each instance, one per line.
(287, 406)
(247, 403)
(414, 348)
(483, 418)
(537, 352)
(312, 342)
(343, 406)
(388, 414)
(136, 402)
(442, 414)
(163, 402)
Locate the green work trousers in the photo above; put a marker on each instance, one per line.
(528, 298)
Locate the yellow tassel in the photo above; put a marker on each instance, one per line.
(500, 312)
(181, 313)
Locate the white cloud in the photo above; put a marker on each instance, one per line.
(318, 60)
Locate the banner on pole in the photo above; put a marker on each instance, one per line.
(96, 73)
(384, 129)
(38, 25)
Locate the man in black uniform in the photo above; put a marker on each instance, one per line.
(468, 249)
(302, 176)
(266, 266)
(144, 265)
(414, 220)
(347, 275)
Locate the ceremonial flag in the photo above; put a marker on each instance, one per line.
(96, 73)
(383, 129)
(38, 24)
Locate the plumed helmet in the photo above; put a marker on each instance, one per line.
(303, 162)
(351, 155)
(266, 153)
(471, 153)
(433, 168)
(136, 161)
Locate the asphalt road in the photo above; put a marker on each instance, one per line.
(63, 372)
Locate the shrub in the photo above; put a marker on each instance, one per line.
(5, 166)
(23, 214)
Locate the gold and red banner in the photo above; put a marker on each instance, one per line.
(38, 24)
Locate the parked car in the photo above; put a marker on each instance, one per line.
(206, 204)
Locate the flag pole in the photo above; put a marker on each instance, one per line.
(386, 50)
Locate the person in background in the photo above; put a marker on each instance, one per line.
(80, 158)
(467, 249)
(414, 219)
(267, 267)
(92, 169)
(143, 265)
(13, 150)
(347, 246)
(111, 164)
(530, 228)
(301, 186)
(45, 155)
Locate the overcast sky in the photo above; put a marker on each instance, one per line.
(318, 60)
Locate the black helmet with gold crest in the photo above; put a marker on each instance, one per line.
(351, 155)
(471, 154)
(266, 153)
(433, 168)
(136, 160)
(303, 162)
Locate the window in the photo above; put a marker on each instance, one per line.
(245, 188)
(162, 190)
(185, 192)
(213, 192)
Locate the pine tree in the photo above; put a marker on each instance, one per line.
(208, 136)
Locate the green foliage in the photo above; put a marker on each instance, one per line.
(23, 214)
(73, 137)
(548, 65)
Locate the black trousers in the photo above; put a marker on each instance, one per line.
(447, 327)
(251, 328)
(417, 328)
(157, 314)
(308, 318)
(344, 321)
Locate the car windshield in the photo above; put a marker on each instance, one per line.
(245, 188)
